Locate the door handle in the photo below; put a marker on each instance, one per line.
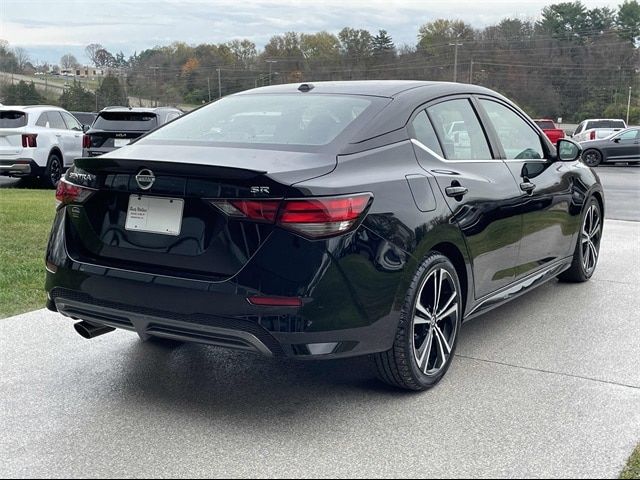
(527, 187)
(456, 191)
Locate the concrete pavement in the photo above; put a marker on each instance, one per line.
(547, 386)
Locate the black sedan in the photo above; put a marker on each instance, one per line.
(325, 221)
(623, 146)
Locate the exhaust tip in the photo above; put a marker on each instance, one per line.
(89, 330)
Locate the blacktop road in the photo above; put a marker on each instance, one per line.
(547, 386)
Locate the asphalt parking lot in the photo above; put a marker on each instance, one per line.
(547, 386)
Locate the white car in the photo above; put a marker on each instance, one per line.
(38, 141)
(597, 128)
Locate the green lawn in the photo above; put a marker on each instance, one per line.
(633, 467)
(25, 221)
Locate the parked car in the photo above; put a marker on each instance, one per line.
(550, 129)
(85, 118)
(38, 141)
(623, 146)
(595, 129)
(115, 127)
(340, 221)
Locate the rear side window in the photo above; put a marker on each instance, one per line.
(518, 139)
(307, 120)
(545, 125)
(12, 119)
(605, 124)
(425, 134)
(56, 121)
(459, 130)
(43, 121)
(126, 121)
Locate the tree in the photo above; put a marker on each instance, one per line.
(77, 98)
(320, 46)
(91, 50)
(628, 20)
(565, 21)
(244, 51)
(442, 31)
(600, 20)
(21, 94)
(287, 45)
(22, 57)
(356, 44)
(68, 61)
(104, 58)
(111, 93)
(383, 43)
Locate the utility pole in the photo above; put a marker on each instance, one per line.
(155, 79)
(471, 72)
(628, 105)
(455, 59)
(219, 85)
(209, 87)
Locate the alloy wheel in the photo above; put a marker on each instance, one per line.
(592, 158)
(435, 321)
(590, 238)
(55, 171)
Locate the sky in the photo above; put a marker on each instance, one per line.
(48, 29)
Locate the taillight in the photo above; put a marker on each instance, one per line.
(275, 301)
(29, 140)
(318, 217)
(86, 141)
(68, 193)
(323, 217)
(592, 135)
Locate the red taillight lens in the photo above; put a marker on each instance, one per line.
(29, 140)
(592, 135)
(257, 210)
(311, 217)
(86, 141)
(67, 193)
(275, 301)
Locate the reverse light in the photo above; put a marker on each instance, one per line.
(317, 217)
(29, 140)
(68, 193)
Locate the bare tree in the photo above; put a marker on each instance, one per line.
(68, 61)
(91, 50)
(22, 57)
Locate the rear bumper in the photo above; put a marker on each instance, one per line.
(19, 167)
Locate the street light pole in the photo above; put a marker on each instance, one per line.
(455, 59)
(628, 105)
(219, 84)
(270, 62)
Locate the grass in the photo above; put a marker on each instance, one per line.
(632, 470)
(25, 220)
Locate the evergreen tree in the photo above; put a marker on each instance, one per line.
(383, 43)
(77, 98)
(111, 93)
(21, 94)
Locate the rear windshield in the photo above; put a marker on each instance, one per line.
(605, 124)
(311, 120)
(545, 124)
(125, 121)
(12, 119)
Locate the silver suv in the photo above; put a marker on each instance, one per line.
(38, 141)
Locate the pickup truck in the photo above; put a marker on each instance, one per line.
(597, 128)
(550, 129)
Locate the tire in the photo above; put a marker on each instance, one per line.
(408, 365)
(587, 251)
(592, 157)
(53, 171)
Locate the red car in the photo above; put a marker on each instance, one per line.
(550, 129)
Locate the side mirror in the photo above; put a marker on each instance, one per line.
(85, 128)
(568, 150)
(616, 140)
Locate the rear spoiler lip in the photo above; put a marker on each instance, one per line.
(101, 165)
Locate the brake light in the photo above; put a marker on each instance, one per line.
(86, 141)
(318, 217)
(29, 140)
(68, 193)
(275, 301)
(592, 135)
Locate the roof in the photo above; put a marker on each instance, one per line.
(137, 109)
(30, 107)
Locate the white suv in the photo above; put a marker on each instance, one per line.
(38, 141)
